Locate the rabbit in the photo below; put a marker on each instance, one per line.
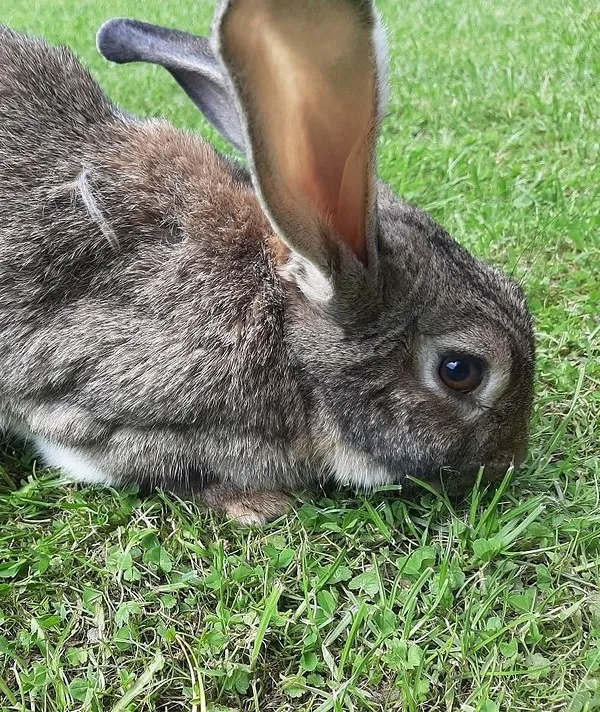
(171, 318)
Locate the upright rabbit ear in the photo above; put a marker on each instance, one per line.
(307, 76)
(190, 60)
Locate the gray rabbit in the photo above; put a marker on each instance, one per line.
(171, 319)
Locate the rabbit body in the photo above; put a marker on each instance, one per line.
(143, 342)
(154, 328)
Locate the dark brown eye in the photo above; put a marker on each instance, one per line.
(461, 373)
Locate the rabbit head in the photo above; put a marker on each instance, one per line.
(416, 358)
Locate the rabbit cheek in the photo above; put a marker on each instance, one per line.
(74, 462)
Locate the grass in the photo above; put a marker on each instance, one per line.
(113, 602)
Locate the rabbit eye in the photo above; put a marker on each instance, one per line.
(461, 373)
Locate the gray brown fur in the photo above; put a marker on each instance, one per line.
(176, 352)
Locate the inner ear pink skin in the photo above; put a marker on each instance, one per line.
(307, 80)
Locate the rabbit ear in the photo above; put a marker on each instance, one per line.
(306, 76)
(190, 60)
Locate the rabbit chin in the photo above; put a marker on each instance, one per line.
(350, 467)
(353, 468)
(73, 462)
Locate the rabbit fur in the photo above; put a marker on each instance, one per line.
(171, 318)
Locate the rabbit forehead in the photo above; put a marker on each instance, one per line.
(443, 290)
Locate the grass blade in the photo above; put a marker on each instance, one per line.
(265, 619)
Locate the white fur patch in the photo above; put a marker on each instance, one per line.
(310, 280)
(351, 467)
(75, 463)
(494, 386)
(81, 185)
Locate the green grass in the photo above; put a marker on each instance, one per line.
(112, 602)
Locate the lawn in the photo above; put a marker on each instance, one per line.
(109, 601)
